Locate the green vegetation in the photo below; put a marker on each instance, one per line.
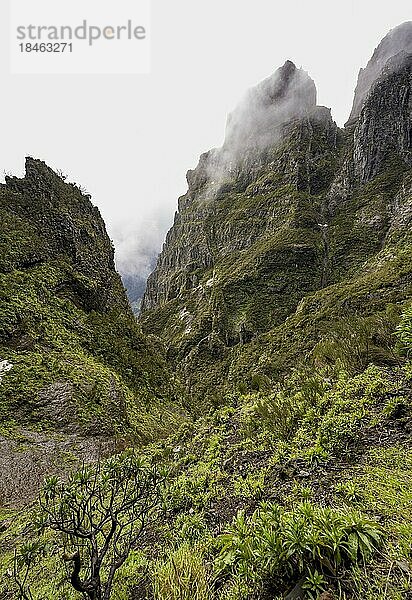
(404, 331)
(183, 575)
(266, 394)
(276, 544)
(306, 487)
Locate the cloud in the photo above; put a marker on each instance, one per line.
(396, 41)
(256, 124)
(137, 244)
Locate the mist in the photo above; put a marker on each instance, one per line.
(129, 140)
(254, 126)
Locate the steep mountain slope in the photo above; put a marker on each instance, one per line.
(288, 227)
(76, 369)
(283, 294)
(397, 40)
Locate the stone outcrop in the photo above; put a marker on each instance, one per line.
(290, 207)
(63, 222)
(398, 40)
(382, 133)
(253, 129)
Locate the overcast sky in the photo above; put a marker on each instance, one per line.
(129, 139)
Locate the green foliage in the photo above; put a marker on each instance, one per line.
(183, 575)
(348, 490)
(279, 412)
(28, 556)
(384, 484)
(194, 488)
(132, 574)
(355, 342)
(317, 412)
(276, 543)
(314, 584)
(404, 333)
(250, 485)
(349, 405)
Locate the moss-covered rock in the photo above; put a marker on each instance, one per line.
(256, 272)
(75, 361)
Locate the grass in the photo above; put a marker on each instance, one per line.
(183, 575)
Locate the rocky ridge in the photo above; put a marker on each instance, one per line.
(77, 372)
(312, 207)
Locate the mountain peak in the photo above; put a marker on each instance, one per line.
(286, 94)
(397, 42)
(256, 126)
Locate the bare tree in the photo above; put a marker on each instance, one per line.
(100, 512)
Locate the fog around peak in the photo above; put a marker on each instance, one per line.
(287, 94)
(399, 39)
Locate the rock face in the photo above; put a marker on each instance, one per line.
(62, 296)
(381, 135)
(398, 40)
(285, 221)
(259, 118)
(384, 130)
(74, 363)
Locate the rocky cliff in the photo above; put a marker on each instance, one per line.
(76, 371)
(283, 295)
(293, 220)
(398, 40)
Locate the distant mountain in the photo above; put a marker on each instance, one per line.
(135, 286)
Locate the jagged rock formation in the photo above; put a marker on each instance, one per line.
(398, 40)
(297, 227)
(75, 363)
(63, 222)
(287, 279)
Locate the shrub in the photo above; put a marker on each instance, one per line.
(404, 333)
(279, 413)
(355, 342)
(275, 543)
(100, 513)
(182, 576)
